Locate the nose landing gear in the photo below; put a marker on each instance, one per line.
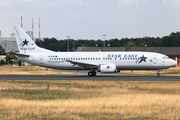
(92, 73)
(158, 74)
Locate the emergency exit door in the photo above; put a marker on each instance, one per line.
(41, 59)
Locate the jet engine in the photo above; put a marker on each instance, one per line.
(110, 68)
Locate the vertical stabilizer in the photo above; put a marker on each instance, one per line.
(24, 42)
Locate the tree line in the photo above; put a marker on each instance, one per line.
(173, 40)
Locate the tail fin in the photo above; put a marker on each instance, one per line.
(24, 42)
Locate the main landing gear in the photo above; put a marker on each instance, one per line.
(92, 73)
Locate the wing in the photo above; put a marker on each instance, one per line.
(22, 55)
(84, 64)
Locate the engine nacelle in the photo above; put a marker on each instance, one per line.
(110, 68)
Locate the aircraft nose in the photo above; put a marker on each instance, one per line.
(174, 63)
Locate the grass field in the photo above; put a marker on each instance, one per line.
(92, 100)
(29, 70)
(174, 71)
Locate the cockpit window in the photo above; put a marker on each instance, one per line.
(165, 57)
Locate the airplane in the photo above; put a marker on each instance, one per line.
(104, 62)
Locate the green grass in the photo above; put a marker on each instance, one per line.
(170, 71)
(62, 84)
(43, 94)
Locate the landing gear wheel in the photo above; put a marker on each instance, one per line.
(158, 74)
(92, 73)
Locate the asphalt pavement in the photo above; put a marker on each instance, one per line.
(113, 77)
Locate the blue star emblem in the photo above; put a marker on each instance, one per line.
(25, 42)
(108, 67)
(142, 59)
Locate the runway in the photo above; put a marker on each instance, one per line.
(85, 77)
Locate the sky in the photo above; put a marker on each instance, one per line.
(90, 19)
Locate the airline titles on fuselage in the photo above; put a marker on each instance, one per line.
(122, 56)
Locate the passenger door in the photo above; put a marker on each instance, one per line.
(154, 59)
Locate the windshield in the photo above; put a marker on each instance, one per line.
(165, 57)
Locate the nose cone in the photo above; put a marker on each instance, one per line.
(173, 62)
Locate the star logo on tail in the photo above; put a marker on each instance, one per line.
(25, 42)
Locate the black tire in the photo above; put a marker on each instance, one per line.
(158, 74)
(94, 73)
(90, 73)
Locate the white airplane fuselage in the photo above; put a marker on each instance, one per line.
(122, 60)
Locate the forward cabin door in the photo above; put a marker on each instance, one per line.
(154, 59)
(41, 59)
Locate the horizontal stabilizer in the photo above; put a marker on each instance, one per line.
(18, 54)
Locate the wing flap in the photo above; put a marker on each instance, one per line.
(84, 64)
